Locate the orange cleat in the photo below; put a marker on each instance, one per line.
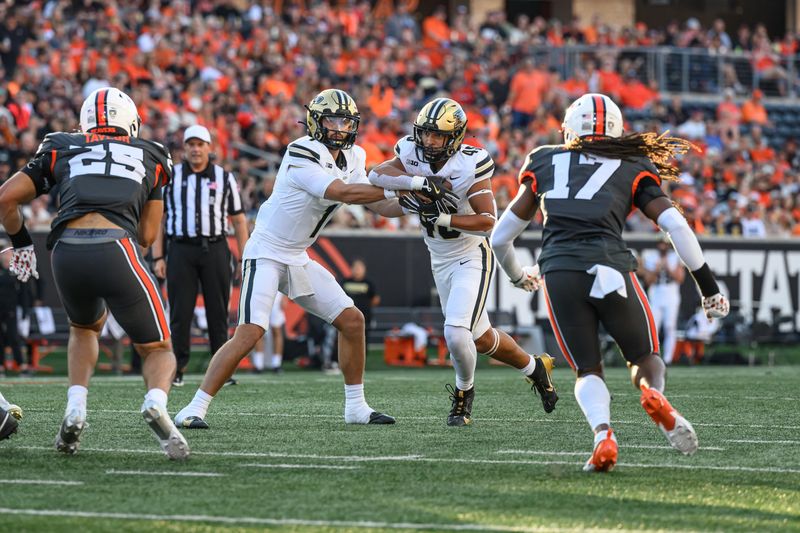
(604, 456)
(678, 430)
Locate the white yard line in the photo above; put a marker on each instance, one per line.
(39, 482)
(762, 441)
(621, 447)
(436, 418)
(169, 474)
(256, 521)
(440, 460)
(300, 466)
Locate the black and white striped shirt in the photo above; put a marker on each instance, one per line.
(199, 204)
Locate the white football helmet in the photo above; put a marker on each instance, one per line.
(107, 108)
(592, 114)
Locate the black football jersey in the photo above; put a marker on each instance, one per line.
(585, 200)
(107, 174)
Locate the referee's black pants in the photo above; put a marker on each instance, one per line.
(188, 264)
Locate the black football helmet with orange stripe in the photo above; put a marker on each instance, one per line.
(592, 115)
(109, 110)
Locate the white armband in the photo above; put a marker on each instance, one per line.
(392, 183)
(683, 238)
(444, 220)
(508, 228)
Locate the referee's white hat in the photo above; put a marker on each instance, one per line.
(197, 132)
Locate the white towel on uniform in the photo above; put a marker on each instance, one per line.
(606, 281)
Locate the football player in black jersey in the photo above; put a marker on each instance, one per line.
(586, 188)
(109, 197)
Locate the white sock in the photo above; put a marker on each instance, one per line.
(157, 395)
(277, 360)
(3, 402)
(594, 399)
(463, 354)
(258, 360)
(198, 406)
(356, 410)
(76, 399)
(529, 368)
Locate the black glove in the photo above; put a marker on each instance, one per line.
(428, 213)
(446, 199)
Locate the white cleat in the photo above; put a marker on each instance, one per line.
(169, 438)
(682, 437)
(69, 436)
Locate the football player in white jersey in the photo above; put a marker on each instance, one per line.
(462, 261)
(319, 172)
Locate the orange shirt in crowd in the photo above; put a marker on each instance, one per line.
(762, 154)
(528, 89)
(610, 82)
(435, 31)
(380, 102)
(729, 112)
(754, 112)
(636, 95)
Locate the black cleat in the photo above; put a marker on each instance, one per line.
(177, 381)
(230, 382)
(379, 418)
(542, 382)
(461, 411)
(8, 424)
(194, 422)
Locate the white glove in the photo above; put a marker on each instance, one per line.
(23, 263)
(716, 306)
(531, 280)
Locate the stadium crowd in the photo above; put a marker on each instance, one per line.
(245, 70)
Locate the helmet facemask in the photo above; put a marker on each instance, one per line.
(345, 125)
(439, 154)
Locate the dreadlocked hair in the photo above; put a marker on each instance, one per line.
(660, 149)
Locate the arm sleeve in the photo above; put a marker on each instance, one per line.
(234, 197)
(391, 183)
(683, 238)
(508, 228)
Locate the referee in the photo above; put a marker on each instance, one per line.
(197, 203)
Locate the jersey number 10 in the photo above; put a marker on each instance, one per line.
(125, 161)
(595, 182)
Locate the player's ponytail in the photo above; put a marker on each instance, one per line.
(660, 149)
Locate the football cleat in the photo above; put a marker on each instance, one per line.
(379, 418)
(604, 455)
(541, 381)
(461, 410)
(8, 424)
(194, 422)
(169, 438)
(69, 436)
(678, 430)
(15, 410)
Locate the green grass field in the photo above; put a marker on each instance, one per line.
(279, 456)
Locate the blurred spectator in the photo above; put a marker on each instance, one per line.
(753, 110)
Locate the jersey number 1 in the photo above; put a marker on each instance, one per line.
(595, 182)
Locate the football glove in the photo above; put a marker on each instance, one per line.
(23, 263)
(433, 188)
(428, 213)
(716, 306)
(530, 280)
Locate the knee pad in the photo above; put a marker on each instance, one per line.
(458, 340)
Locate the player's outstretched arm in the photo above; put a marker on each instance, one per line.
(392, 176)
(510, 226)
(684, 241)
(354, 193)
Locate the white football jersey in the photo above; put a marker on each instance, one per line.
(465, 168)
(293, 216)
(650, 260)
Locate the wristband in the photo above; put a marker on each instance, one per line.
(417, 183)
(444, 220)
(22, 238)
(705, 281)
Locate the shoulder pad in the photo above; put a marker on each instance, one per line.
(296, 149)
